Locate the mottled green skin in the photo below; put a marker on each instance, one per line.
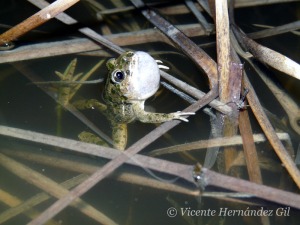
(120, 107)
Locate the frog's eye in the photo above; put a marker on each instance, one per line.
(118, 76)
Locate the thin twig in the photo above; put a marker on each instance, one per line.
(88, 166)
(250, 152)
(211, 178)
(179, 9)
(216, 142)
(269, 56)
(270, 133)
(36, 20)
(200, 57)
(48, 49)
(94, 150)
(51, 187)
(79, 45)
(288, 104)
(275, 30)
(196, 93)
(23, 207)
(85, 30)
(197, 13)
(248, 3)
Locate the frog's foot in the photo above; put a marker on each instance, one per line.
(181, 115)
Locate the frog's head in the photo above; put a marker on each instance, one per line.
(132, 76)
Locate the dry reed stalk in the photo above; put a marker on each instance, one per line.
(223, 52)
(211, 178)
(49, 49)
(287, 103)
(230, 76)
(180, 9)
(196, 93)
(26, 207)
(51, 187)
(275, 30)
(197, 13)
(85, 30)
(36, 20)
(270, 133)
(13, 201)
(249, 147)
(215, 142)
(87, 166)
(93, 150)
(195, 53)
(269, 56)
(248, 3)
(250, 152)
(79, 45)
(264, 122)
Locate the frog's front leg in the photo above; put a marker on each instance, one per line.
(119, 135)
(90, 104)
(149, 117)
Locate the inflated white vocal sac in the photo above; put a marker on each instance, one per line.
(143, 79)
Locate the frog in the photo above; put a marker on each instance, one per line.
(133, 77)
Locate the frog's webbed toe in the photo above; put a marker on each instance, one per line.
(160, 66)
(181, 115)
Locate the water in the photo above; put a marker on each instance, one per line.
(27, 107)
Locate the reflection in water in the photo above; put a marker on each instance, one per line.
(216, 126)
(212, 153)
